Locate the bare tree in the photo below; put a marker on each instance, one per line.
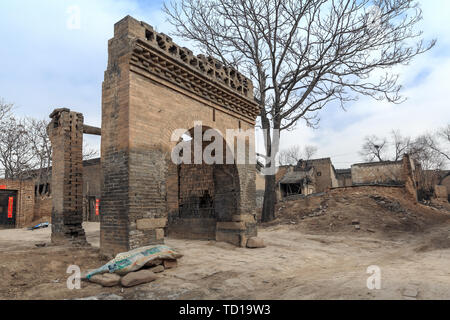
(401, 145)
(292, 155)
(374, 148)
(386, 149)
(16, 154)
(432, 150)
(304, 54)
(5, 109)
(428, 158)
(445, 134)
(42, 154)
(89, 153)
(440, 142)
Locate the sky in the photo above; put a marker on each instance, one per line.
(49, 59)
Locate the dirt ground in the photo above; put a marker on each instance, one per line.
(313, 251)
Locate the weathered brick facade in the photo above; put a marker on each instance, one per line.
(325, 175)
(25, 199)
(42, 207)
(66, 134)
(92, 182)
(151, 88)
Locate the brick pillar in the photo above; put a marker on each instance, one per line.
(66, 134)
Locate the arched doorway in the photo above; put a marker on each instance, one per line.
(153, 88)
(207, 193)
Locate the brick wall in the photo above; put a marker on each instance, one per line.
(91, 187)
(25, 200)
(344, 178)
(42, 207)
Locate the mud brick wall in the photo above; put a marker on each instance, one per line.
(446, 183)
(66, 134)
(325, 177)
(151, 88)
(441, 192)
(25, 200)
(388, 173)
(344, 178)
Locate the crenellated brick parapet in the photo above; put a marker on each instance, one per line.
(156, 54)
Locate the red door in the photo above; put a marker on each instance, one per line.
(8, 208)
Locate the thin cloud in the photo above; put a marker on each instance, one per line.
(47, 65)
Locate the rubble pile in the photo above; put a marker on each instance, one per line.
(135, 267)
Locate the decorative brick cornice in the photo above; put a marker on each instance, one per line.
(205, 77)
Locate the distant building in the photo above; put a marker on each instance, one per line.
(319, 175)
(305, 178)
(16, 203)
(298, 182)
(29, 204)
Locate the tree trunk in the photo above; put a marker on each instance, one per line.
(270, 199)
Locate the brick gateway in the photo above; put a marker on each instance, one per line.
(151, 88)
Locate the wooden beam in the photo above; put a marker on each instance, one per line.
(92, 130)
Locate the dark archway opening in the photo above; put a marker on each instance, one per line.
(207, 194)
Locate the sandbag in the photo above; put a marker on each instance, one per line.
(133, 260)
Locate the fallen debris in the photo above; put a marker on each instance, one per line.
(139, 277)
(134, 260)
(254, 243)
(385, 210)
(135, 267)
(391, 205)
(169, 264)
(410, 292)
(106, 279)
(39, 226)
(158, 269)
